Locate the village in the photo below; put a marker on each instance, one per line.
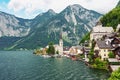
(104, 43)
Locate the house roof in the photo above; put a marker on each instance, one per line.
(79, 47)
(104, 44)
(115, 42)
(118, 27)
(101, 29)
(66, 48)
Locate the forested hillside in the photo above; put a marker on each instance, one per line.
(112, 18)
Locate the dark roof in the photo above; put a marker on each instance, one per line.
(79, 47)
(104, 44)
(66, 48)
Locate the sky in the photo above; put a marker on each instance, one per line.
(28, 9)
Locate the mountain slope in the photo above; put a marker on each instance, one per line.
(13, 26)
(74, 22)
(118, 5)
(112, 18)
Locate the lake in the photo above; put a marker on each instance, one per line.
(23, 65)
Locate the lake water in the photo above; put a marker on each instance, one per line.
(23, 65)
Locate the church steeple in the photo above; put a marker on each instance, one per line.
(61, 40)
(61, 44)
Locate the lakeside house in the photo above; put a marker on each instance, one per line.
(118, 28)
(75, 50)
(116, 47)
(102, 49)
(99, 31)
(66, 50)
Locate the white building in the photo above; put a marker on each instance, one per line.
(118, 28)
(99, 31)
(59, 47)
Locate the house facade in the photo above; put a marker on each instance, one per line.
(116, 46)
(75, 50)
(102, 49)
(118, 28)
(99, 31)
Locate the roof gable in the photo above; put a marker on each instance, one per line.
(104, 44)
(103, 29)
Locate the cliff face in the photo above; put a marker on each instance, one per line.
(13, 26)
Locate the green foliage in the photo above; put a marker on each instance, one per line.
(57, 52)
(37, 51)
(98, 63)
(85, 38)
(80, 56)
(115, 75)
(111, 55)
(91, 53)
(91, 57)
(112, 18)
(51, 49)
(118, 5)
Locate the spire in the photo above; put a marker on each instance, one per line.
(61, 33)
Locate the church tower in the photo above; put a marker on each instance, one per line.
(61, 44)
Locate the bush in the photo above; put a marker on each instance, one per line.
(51, 49)
(98, 63)
(85, 38)
(115, 75)
(111, 55)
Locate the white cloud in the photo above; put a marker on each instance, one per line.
(30, 6)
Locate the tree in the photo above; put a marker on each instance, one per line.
(91, 53)
(57, 52)
(85, 38)
(98, 63)
(112, 18)
(111, 55)
(115, 75)
(51, 49)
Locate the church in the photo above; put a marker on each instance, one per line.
(59, 47)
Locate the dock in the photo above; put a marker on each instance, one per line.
(116, 66)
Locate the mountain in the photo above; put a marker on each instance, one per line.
(74, 22)
(118, 5)
(112, 18)
(13, 26)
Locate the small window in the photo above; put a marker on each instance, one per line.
(104, 50)
(104, 54)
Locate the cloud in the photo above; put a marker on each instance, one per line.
(31, 6)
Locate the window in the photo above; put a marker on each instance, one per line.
(104, 54)
(104, 50)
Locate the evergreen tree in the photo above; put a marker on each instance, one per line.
(51, 49)
(112, 18)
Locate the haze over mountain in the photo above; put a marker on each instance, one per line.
(74, 22)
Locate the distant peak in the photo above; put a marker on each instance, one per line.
(51, 11)
(75, 6)
(118, 4)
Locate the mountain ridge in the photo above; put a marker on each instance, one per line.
(75, 21)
